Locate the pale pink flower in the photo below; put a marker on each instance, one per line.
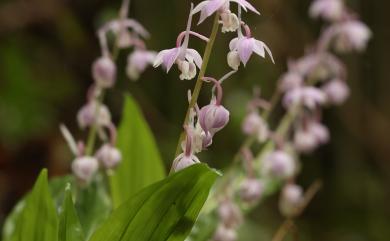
(319, 131)
(336, 91)
(186, 59)
(327, 9)
(291, 200)
(224, 233)
(255, 125)
(308, 96)
(279, 164)
(304, 141)
(229, 213)
(92, 113)
(104, 72)
(310, 136)
(109, 156)
(187, 158)
(245, 46)
(209, 7)
(351, 35)
(137, 62)
(213, 117)
(84, 168)
(290, 80)
(251, 190)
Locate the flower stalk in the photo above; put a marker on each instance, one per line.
(199, 81)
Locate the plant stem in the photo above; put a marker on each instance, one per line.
(199, 81)
(94, 128)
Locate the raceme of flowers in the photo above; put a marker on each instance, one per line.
(312, 82)
(94, 115)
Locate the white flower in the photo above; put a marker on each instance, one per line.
(279, 164)
(84, 168)
(93, 113)
(336, 91)
(351, 35)
(327, 9)
(291, 199)
(109, 156)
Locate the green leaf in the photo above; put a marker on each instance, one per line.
(141, 162)
(70, 228)
(93, 206)
(56, 185)
(166, 210)
(37, 221)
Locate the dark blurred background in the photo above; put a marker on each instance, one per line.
(47, 46)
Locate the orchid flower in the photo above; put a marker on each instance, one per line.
(187, 158)
(208, 7)
(138, 61)
(187, 59)
(242, 47)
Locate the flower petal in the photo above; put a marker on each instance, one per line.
(245, 49)
(258, 48)
(208, 9)
(167, 58)
(269, 52)
(200, 7)
(246, 5)
(170, 58)
(193, 54)
(233, 44)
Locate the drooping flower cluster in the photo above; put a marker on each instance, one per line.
(312, 82)
(94, 115)
(203, 124)
(241, 47)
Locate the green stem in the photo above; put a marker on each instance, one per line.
(94, 128)
(199, 81)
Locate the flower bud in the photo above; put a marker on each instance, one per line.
(279, 164)
(230, 22)
(213, 118)
(319, 131)
(254, 125)
(183, 161)
(224, 233)
(336, 91)
(91, 114)
(104, 72)
(187, 68)
(251, 190)
(305, 141)
(109, 156)
(84, 168)
(233, 59)
(229, 214)
(291, 200)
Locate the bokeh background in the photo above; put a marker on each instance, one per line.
(47, 46)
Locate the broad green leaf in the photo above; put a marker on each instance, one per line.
(141, 162)
(56, 185)
(70, 228)
(93, 205)
(37, 221)
(166, 210)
